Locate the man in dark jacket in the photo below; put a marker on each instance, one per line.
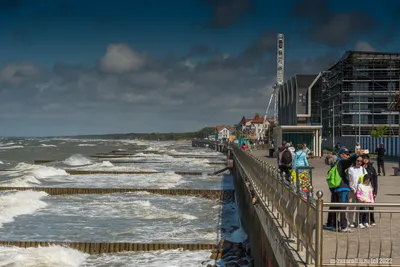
(380, 151)
(341, 193)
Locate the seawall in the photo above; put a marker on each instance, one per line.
(262, 204)
(261, 250)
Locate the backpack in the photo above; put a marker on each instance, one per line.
(286, 158)
(334, 179)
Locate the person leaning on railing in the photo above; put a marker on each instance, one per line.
(340, 194)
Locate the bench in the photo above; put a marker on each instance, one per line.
(396, 171)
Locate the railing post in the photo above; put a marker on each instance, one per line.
(318, 229)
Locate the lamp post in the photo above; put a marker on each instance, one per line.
(333, 122)
(359, 118)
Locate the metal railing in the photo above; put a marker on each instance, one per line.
(369, 245)
(301, 217)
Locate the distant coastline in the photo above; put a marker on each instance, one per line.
(203, 133)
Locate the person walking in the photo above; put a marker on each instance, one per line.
(285, 160)
(306, 150)
(357, 148)
(340, 193)
(300, 158)
(380, 151)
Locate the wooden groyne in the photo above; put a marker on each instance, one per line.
(225, 195)
(87, 172)
(42, 161)
(110, 156)
(84, 172)
(78, 172)
(159, 162)
(107, 247)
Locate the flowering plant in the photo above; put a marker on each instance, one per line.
(304, 181)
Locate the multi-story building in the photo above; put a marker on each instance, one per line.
(225, 133)
(298, 121)
(294, 105)
(358, 92)
(254, 128)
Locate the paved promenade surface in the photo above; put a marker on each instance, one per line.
(361, 243)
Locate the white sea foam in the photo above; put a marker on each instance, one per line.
(195, 152)
(161, 258)
(149, 211)
(77, 160)
(10, 147)
(106, 164)
(13, 204)
(26, 174)
(41, 256)
(45, 145)
(1, 162)
(157, 180)
(87, 145)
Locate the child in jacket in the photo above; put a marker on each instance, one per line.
(364, 194)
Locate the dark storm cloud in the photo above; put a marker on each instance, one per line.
(200, 50)
(225, 13)
(219, 89)
(11, 4)
(254, 54)
(22, 36)
(62, 10)
(329, 27)
(391, 30)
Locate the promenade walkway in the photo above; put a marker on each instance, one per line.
(380, 243)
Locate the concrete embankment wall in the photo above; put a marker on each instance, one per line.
(105, 247)
(251, 222)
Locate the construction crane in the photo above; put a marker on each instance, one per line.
(280, 68)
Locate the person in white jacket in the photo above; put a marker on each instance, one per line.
(354, 174)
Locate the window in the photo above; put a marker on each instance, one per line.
(280, 45)
(360, 87)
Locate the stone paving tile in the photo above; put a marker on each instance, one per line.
(378, 243)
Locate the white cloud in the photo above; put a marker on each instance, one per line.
(189, 64)
(120, 58)
(18, 73)
(364, 46)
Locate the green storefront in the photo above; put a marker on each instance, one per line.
(299, 138)
(299, 134)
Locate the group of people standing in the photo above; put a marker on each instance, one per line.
(289, 158)
(359, 184)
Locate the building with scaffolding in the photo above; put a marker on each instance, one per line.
(358, 93)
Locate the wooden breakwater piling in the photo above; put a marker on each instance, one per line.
(200, 143)
(107, 247)
(159, 162)
(42, 161)
(87, 172)
(78, 172)
(84, 172)
(110, 156)
(225, 195)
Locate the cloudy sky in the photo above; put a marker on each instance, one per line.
(84, 67)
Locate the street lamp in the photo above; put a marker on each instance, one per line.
(320, 109)
(333, 123)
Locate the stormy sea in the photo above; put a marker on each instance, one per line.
(139, 217)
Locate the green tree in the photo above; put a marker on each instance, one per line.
(269, 133)
(380, 131)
